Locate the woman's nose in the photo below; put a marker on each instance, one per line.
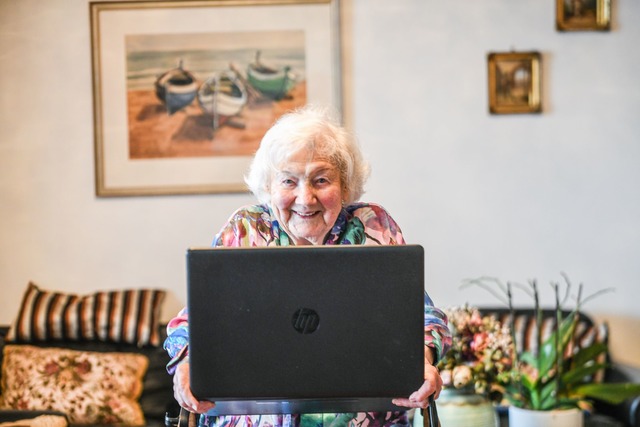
(306, 194)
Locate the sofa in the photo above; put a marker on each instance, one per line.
(117, 357)
(626, 414)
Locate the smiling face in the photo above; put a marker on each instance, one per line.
(306, 197)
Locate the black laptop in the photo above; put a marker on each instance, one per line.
(307, 329)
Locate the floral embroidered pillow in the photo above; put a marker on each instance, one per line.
(90, 387)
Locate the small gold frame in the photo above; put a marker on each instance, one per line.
(583, 15)
(514, 82)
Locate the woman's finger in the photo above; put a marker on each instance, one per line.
(184, 396)
(420, 398)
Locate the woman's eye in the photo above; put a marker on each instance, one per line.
(322, 180)
(288, 182)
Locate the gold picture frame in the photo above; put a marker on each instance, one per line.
(183, 91)
(583, 15)
(514, 82)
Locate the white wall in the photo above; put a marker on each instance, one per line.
(515, 196)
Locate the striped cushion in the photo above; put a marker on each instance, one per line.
(124, 316)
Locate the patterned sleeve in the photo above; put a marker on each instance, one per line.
(177, 342)
(380, 228)
(436, 330)
(246, 227)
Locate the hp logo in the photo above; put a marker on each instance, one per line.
(305, 320)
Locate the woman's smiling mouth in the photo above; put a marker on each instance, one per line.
(305, 214)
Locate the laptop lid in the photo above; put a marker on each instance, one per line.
(305, 329)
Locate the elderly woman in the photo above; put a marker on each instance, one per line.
(308, 176)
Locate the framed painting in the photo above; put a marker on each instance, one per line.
(583, 15)
(514, 82)
(184, 90)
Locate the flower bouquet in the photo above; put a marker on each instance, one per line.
(479, 355)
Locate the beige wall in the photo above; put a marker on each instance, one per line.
(516, 197)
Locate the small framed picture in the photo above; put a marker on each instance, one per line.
(583, 15)
(514, 82)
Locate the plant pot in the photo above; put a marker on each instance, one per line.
(519, 417)
(462, 408)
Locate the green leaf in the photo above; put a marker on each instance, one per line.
(590, 353)
(528, 358)
(514, 395)
(547, 395)
(536, 401)
(609, 392)
(548, 354)
(528, 383)
(581, 374)
(564, 403)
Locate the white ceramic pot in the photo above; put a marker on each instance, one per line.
(519, 417)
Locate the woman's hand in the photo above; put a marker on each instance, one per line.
(182, 392)
(420, 398)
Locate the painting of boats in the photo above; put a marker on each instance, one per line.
(163, 74)
(176, 88)
(222, 95)
(273, 82)
(189, 94)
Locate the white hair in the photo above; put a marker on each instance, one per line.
(314, 129)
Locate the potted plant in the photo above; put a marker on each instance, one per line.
(479, 354)
(559, 375)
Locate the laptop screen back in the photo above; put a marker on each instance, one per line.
(305, 329)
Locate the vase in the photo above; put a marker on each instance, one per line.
(462, 408)
(519, 417)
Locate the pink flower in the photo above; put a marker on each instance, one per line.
(479, 342)
(476, 319)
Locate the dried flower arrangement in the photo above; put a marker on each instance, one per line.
(480, 353)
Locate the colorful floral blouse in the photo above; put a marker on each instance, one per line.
(357, 224)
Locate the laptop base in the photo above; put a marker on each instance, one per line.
(304, 406)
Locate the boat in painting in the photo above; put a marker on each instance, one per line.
(271, 81)
(176, 88)
(222, 95)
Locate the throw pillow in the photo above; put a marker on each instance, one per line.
(123, 316)
(90, 387)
